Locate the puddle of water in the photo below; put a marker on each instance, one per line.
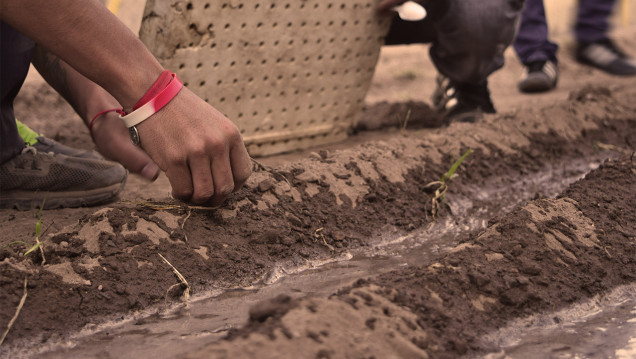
(210, 315)
(604, 327)
(168, 336)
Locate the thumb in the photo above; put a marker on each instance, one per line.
(137, 161)
(112, 140)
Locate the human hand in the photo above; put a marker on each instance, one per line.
(200, 150)
(112, 140)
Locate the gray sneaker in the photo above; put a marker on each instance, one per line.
(540, 76)
(32, 177)
(45, 144)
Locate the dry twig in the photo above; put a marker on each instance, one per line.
(319, 235)
(185, 235)
(183, 281)
(17, 313)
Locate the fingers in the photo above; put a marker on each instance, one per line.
(202, 180)
(241, 164)
(178, 174)
(223, 177)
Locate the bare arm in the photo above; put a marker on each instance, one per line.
(88, 99)
(83, 33)
(200, 150)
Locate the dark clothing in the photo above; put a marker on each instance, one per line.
(592, 21)
(15, 57)
(532, 43)
(468, 41)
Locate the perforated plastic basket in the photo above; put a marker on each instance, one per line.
(291, 74)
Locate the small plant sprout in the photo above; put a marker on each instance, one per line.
(451, 172)
(442, 184)
(38, 229)
(38, 235)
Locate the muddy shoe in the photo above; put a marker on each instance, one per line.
(33, 177)
(461, 102)
(606, 56)
(540, 76)
(44, 144)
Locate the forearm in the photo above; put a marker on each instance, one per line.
(85, 96)
(91, 40)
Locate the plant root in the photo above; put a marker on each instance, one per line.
(183, 282)
(319, 235)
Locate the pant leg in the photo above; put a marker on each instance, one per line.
(592, 23)
(532, 43)
(410, 32)
(472, 36)
(15, 56)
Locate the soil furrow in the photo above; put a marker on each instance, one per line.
(108, 265)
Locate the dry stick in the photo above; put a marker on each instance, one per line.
(439, 193)
(605, 146)
(262, 167)
(186, 292)
(319, 235)
(406, 121)
(185, 235)
(17, 312)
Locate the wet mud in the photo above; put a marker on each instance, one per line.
(545, 254)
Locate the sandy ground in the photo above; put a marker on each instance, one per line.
(104, 262)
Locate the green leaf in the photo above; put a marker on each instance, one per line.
(455, 166)
(35, 246)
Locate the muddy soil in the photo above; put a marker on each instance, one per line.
(109, 262)
(543, 256)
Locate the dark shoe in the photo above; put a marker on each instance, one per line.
(461, 102)
(540, 76)
(32, 177)
(606, 56)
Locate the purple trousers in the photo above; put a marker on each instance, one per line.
(532, 42)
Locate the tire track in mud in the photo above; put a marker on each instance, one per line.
(107, 265)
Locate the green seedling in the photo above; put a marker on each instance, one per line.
(442, 184)
(449, 175)
(38, 229)
(34, 247)
(38, 234)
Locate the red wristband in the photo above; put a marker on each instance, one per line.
(156, 103)
(162, 82)
(90, 125)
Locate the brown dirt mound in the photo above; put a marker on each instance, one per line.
(543, 256)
